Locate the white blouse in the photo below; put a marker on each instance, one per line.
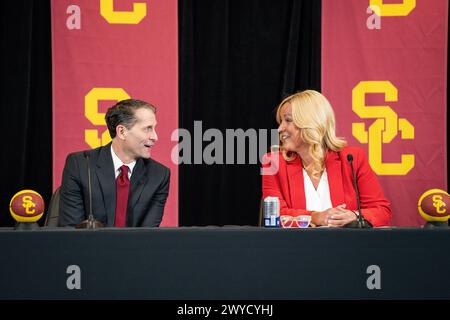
(317, 200)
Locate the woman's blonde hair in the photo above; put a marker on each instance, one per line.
(313, 114)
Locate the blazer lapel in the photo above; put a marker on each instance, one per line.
(334, 172)
(137, 183)
(296, 185)
(106, 178)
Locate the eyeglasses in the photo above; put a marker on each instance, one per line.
(301, 221)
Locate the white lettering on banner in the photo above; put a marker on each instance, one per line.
(374, 20)
(74, 20)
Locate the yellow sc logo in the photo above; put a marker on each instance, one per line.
(97, 118)
(384, 129)
(122, 17)
(433, 204)
(392, 9)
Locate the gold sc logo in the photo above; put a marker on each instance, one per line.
(384, 129)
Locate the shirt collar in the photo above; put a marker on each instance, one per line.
(118, 163)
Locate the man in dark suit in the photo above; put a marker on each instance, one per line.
(129, 189)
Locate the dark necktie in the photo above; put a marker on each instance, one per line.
(122, 188)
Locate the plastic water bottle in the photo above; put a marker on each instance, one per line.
(271, 212)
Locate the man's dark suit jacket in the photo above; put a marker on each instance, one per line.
(149, 188)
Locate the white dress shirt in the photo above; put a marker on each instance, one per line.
(118, 163)
(317, 200)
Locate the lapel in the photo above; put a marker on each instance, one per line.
(137, 183)
(334, 171)
(295, 183)
(107, 181)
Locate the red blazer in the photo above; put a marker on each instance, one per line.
(287, 184)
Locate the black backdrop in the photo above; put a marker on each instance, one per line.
(237, 59)
(26, 104)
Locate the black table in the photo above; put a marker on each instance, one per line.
(225, 263)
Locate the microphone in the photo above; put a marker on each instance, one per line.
(360, 223)
(90, 223)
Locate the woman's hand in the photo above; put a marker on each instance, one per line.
(333, 217)
(341, 217)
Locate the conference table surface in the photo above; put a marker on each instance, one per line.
(231, 262)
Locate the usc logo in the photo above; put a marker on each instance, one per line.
(27, 206)
(122, 17)
(392, 9)
(387, 124)
(91, 136)
(433, 204)
(384, 129)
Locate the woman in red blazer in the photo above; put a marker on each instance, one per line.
(311, 175)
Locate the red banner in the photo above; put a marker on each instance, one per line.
(384, 70)
(105, 51)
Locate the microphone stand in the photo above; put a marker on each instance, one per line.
(360, 223)
(90, 222)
